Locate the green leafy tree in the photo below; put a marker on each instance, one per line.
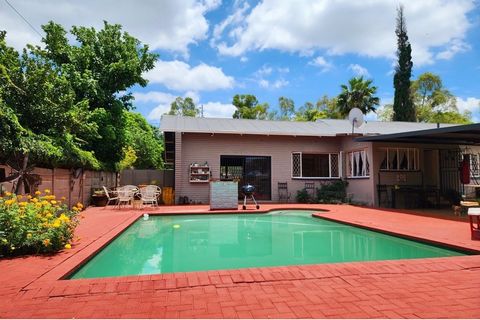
(308, 112)
(248, 107)
(145, 140)
(287, 108)
(129, 158)
(385, 113)
(64, 104)
(329, 108)
(434, 103)
(39, 110)
(184, 107)
(358, 94)
(324, 108)
(403, 107)
(100, 67)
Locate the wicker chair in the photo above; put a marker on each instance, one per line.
(109, 192)
(283, 195)
(149, 194)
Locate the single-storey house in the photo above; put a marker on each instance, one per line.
(390, 164)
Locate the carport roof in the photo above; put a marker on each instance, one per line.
(460, 135)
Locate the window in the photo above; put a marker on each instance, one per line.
(403, 159)
(474, 165)
(358, 165)
(313, 165)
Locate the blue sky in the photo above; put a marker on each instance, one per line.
(211, 50)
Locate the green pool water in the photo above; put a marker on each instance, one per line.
(165, 244)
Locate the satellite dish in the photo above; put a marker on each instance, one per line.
(355, 116)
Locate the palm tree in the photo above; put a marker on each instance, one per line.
(358, 94)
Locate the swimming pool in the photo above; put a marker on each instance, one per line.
(180, 243)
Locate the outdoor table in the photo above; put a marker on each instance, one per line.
(474, 217)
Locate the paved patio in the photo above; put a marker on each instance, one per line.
(420, 288)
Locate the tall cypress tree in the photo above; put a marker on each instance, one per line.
(403, 108)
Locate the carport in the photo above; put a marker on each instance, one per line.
(460, 148)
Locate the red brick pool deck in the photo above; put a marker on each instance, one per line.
(419, 288)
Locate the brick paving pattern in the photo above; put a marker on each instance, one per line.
(419, 288)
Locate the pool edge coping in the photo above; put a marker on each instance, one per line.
(60, 272)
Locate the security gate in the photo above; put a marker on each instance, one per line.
(255, 170)
(449, 170)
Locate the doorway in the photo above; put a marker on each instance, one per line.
(255, 170)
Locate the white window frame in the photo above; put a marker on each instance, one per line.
(351, 163)
(396, 150)
(299, 175)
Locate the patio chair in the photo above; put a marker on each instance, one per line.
(310, 187)
(283, 195)
(125, 195)
(149, 194)
(108, 192)
(130, 186)
(384, 199)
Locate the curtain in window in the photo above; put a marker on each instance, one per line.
(358, 165)
(363, 156)
(356, 171)
(392, 159)
(403, 158)
(384, 160)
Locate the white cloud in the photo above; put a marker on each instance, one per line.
(365, 28)
(218, 110)
(469, 104)
(154, 96)
(263, 83)
(243, 59)
(358, 70)
(178, 75)
(163, 100)
(261, 75)
(264, 71)
(277, 84)
(156, 113)
(171, 25)
(320, 62)
(457, 46)
(237, 16)
(280, 83)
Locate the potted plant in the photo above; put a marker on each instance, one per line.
(99, 198)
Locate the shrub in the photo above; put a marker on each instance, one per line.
(303, 196)
(333, 192)
(38, 224)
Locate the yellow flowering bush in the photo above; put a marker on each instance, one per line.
(35, 224)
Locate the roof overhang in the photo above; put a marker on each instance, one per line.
(458, 135)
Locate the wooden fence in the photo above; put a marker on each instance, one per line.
(162, 178)
(74, 185)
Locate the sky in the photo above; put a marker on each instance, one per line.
(211, 50)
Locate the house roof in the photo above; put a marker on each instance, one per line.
(319, 128)
(460, 135)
